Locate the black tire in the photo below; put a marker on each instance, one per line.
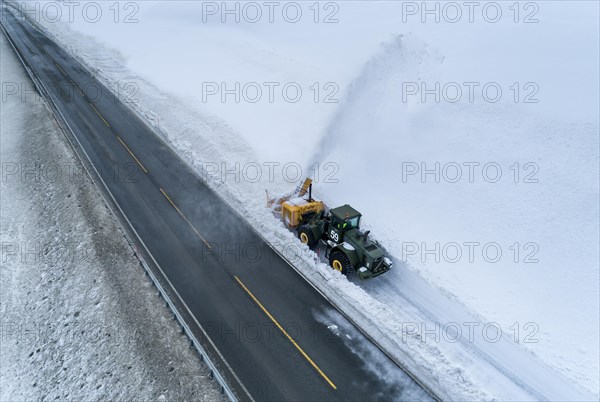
(307, 237)
(340, 262)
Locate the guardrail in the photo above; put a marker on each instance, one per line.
(214, 373)
(162, 291)
(342, 309)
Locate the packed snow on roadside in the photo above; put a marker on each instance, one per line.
(501, 184)
(79, 320)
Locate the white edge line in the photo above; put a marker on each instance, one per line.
(197, 344)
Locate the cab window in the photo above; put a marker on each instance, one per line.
(347, 224)
(352, 223)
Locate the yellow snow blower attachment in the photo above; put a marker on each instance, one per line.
(294, 209)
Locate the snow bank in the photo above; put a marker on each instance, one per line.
(376, 141)
(79, 320)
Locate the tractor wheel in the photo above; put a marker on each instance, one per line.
(307, 237)
(340, 262)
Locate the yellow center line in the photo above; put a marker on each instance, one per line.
(184, 218)
(98, 113)
(302, 352)
(61, 70)
(132, 155)
(77, 86)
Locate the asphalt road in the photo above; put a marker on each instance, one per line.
(259, 312)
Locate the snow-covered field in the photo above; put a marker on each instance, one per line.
(79, 320)
(502, 231)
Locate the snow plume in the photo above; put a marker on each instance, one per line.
(374, 107)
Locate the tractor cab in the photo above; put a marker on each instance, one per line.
(337, 229)
(343, 219)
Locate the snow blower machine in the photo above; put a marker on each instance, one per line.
(337, 230)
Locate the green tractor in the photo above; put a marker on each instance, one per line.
(346, 246)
